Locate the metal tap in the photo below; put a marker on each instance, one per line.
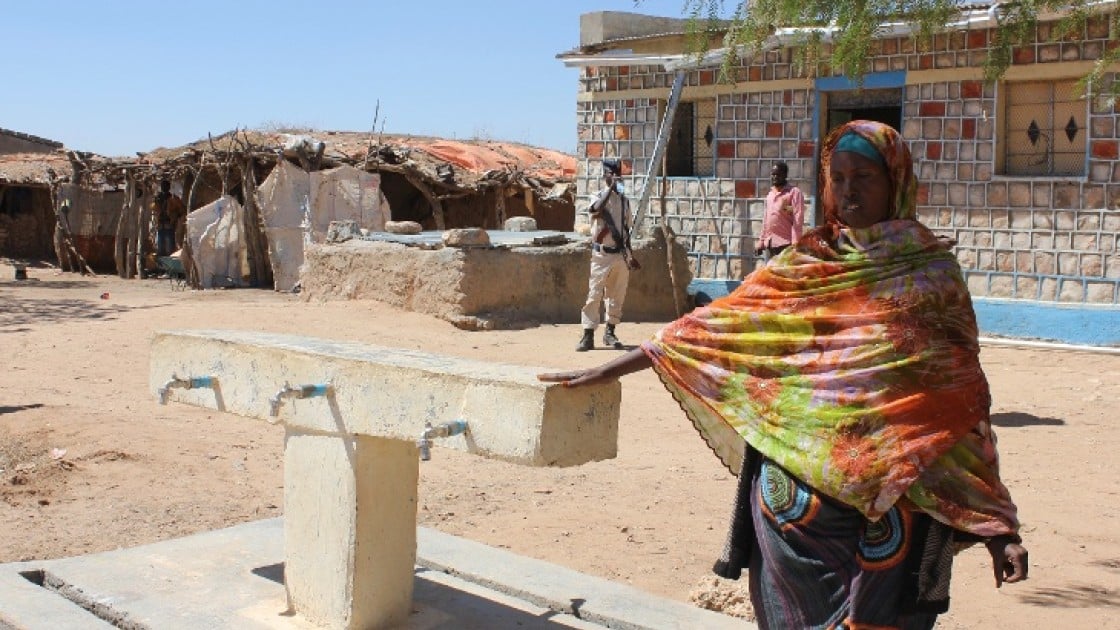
(298, 392)
(183, 383)
(447, 429)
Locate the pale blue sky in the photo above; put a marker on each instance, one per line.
(123, 76)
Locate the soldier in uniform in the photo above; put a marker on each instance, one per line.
(610, 259)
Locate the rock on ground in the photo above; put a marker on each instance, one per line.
(729, 597)
(520, 224)
(403, 227)
(466, 237)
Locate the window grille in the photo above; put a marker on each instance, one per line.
(691, 150)
(1044, 130)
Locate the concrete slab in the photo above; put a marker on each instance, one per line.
(233, 578)
(25, 604)
(391, 393)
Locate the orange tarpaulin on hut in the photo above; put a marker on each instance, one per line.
(496, 155)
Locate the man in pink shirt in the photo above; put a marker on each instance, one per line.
(785, 213)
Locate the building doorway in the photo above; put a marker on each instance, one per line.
(881, 105)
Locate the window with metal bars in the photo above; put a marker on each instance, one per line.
(1044, 128)
(691, 148)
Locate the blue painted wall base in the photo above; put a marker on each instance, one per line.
(704, 290)
(1082, 324)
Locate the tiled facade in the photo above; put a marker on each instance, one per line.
(1046, 238)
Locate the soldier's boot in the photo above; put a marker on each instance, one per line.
(610, 340)
(587, 341)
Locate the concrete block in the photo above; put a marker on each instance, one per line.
(350, 528)
(391, 393)
(1072, 291)
(1048, 290)
(1001, 286)
(977, 284)
(1101, 292)
(1088, 220)
(1026, 288)
(1112, 268)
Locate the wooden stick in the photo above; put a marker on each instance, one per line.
(64, 225)
(120, 244)
(255, 240)
(667, 235)
(372, 128)
(143, 230)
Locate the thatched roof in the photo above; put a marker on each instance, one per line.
(34, 169)
(458, 162)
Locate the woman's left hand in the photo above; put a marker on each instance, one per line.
(1009, 559)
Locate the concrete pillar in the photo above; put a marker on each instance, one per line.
(350, 528)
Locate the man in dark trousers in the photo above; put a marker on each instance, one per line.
(610, 259)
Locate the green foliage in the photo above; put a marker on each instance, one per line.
(747, 26)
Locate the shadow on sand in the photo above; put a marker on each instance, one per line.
(38, 283)
(1013, 419)
(17, 313)
(1077, 596)
(14, 408)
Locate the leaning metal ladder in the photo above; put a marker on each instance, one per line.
(659, 148)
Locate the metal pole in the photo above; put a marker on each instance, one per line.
(658, 149)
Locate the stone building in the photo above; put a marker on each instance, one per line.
(1024, 174)
(16, 142)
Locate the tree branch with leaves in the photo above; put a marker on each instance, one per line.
(840, 35)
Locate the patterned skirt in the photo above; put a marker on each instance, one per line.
(816, 563)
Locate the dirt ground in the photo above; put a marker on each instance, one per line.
(91, 462)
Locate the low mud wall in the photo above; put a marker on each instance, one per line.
(487, 288)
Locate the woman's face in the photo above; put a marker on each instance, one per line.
(861, 188)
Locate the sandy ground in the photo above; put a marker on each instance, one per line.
(91, 462)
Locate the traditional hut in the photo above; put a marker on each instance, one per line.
(45, 215)
(27, 219)
(436, 182)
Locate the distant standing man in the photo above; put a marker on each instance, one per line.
(610, 259)
(785, 213)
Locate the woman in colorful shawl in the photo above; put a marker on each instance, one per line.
(842, 383)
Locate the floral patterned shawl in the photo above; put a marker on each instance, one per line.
(851, 360)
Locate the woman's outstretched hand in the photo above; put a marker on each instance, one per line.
(633, 361)
(1009, 560)
(576, 378)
